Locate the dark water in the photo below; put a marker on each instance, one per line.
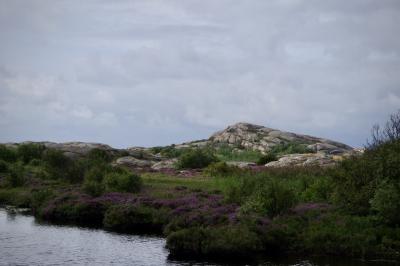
(26, 242)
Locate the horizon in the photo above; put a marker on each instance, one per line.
(140, 73)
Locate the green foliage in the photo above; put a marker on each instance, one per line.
(234, 241)
(98, 156)
(59, 166)
(40, 197)
(3, 166)
(357, 178)
(269, 157)
(271, 198)
(17, 197)
(196, 158)
(220, 169)
(27, 152)
(290, 148)
(386, 202)
(16, 175)
(168, 151)
(122, 181)
(55, 160)
(320, 190)
(129, 218)
(8, 154)
(231, 153)
(93, 188)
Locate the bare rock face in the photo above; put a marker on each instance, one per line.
(165, 164)
(306, 159)
(133, 163)
(263, 139)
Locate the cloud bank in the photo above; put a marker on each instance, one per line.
(159, 72)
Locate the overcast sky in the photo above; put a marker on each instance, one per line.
(145, 73)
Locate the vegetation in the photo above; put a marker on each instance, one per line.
(195, 158)
(224, 211)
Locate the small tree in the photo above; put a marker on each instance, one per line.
(389, 133)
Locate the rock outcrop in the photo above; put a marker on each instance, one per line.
(261, 138)
(306, 159)
(133, 163)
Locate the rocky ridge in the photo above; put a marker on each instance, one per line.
(242, 136)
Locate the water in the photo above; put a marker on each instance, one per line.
(23, 241)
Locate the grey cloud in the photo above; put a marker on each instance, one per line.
(156, 72)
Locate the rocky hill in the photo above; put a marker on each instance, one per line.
(240, 136)
(261, 138)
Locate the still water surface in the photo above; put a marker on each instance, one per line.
(23, 241)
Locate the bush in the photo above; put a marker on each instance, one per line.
(226, 152)
(3, 166)
(196, 158)
(39, 198)
(319, 191)
(93, 188)
(122, 181)
(139, 219)
(98, 156)
(272, 198)
(290, 148)
(386, 202)
(269, 157)
(170, 151)
(96, 174)
(8, 154)
(29, 151)
(16, 176)
(220, 169)
(55, 159)
(233, 241)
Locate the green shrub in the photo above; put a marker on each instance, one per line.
(196, 158)
(319, 191)
(269, 157)
(96, 174)
(123, 181)
(171, 151)
(3, 166)
(27, 152)
(16, 176)
(17, 197)
(233, 241)
(220, 169)
(93, 188)
(40, 197)
(386, 202)
(272, 198)
(290, 148)
(129, 218)
(55, 159)
(8, 154)
(98, 156)
(226, 152)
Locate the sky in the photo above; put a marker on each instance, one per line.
(147, 73)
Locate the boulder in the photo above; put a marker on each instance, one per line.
(133, 163)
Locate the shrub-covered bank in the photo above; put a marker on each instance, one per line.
(224, 211)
